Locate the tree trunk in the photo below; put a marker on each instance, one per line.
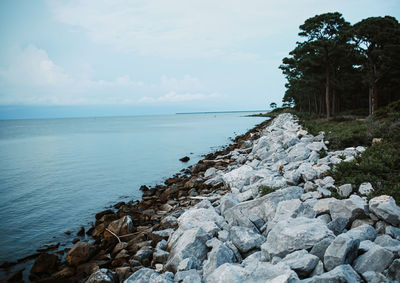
(373, 90)
(327, 90)
(333, 102)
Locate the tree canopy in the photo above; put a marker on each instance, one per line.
(342, 67)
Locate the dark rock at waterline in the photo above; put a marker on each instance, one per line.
(185, 159)
(45, 263)
(104, 212)
(81, 232)
(17, 276)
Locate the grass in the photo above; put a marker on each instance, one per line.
(379, 164)
(265, 190)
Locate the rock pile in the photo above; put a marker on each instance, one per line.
(298, 232)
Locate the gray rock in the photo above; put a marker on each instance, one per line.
(359, 222)
(162, 234)
(310, 195)
(291, 209)
(342, 273)
(342, 250)
(245, 239)
(351, 208)
(369, 262)
(374, 277)
(322, 205)
(223, 235)
(298, 152)
(326, 218)
(144, 255)
(309, 186)
(380, 226)
(365, 246)
(257, 221)
(338, 225)
(210, 172)
(102, 276)
(393, 232)
(227, 273)
(167, 277)
(141, 276)
(318, 270)
(239, 177)
(394, 270)
(189, 276)
(198, 217)
(319, 248)
(205, 203)
(324, 192)
(191, 242)
(188, 264)
(263, 207)
(363, 232)
(230, 245)
(301, 262)
(160, 256)
(365, 189)
(292, 177)
(252, 259)
(386, 209)
(387, 242)
(161, 245)
(345, 190)
(219, 255)
(294, 234)
(169, 222)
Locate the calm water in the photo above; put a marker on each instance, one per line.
(55, 174)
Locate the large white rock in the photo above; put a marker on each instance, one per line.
(245, 238)
(351, 208)
(239, 177)
(301, 262)
(342, 273)
(298, 152)
(342, 250)
(218, 255)
(294, 234)
(375, 259)
(386, 209)
(365, 189)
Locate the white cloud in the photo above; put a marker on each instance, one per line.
(31, 77)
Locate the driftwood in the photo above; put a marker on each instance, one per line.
(112, 233)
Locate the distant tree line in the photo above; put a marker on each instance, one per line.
(341, 67)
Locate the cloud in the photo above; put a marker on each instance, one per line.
(31, 77)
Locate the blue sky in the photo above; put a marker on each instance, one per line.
(98, 57)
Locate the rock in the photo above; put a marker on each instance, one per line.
(189, 243)
(227, 201)
(342, 273)
(387, 242)
(189, 263)
(365, 246)
(210, 172)
(161, 245)
(298, 152)
(189, 276)
(310, 195)
(294, 234)
(230, 245)
(45, 263)
(319, 248)
(345, 190)
(324, 192)
(167, 277)
(263, 207)
(365, 189)
(199, 217)
(219, 255)
(157, 236)
(184, 159)
(368, 261)
(121, 226)
(245, 238)
(393, 232)
(338, 225)
(160, 256)
(141, 276)
(238, 178)
(119, 247)
(102, 276)
(227, 273)
(291, 209)
(386, 209)
(351, 208)
(318, 270)
(123, 273)
(301, 262)
(144, 255)
(322, 205)
(363, 232)
(326, 218)
(359, 222)
(169, 222)
(223, 235)
(342, 250)
(80, 252)
(394, 270)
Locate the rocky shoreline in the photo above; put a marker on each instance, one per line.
(212, 224)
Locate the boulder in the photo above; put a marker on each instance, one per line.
(169, 222)
(322, 205)
(363, 232)
(121, 226)
(102, 276)
(227, 272)
(394, 270)
(189, 276)
(351, 208)
(245, 239)
(160, 256)
(188, 264)
(365, 189)
(387, 242)
(298, 152)
(319, 248)
(301, 262)
(294, 234)
(345, 190)
(338, 225)
(144, 255)
(210, 172)
(218, 255)
(141, 276)
(197, 217)
(226, 202)
(238, 178)
(369, 262)
(45, 263)
(386, 209)
(291, 209)
(80, 252)
(342, 250)
(191, 242)
(393, 232)
(342, 273)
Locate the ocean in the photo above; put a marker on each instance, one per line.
(55, 174)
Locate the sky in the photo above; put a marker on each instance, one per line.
(73, 58)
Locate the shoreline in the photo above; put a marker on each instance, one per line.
(136, 208)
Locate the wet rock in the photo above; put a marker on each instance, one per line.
(121, 226)
(386, 209)
(184, 159)
(368, 261)
(103, 276)
(294, 234)
(342, 273)
(45, 263)
(342, 250)
(245, 239)
(81, 232)
(102, 213)
(80, 252)
(301, 262)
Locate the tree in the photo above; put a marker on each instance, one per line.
(378, 40)
(326, 34)
(272, 105)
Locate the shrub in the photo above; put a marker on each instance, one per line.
(265, 190)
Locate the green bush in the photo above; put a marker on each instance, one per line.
(265, 190)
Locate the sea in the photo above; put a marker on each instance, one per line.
(56, 174)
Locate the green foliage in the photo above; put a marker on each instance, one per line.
(272, 105)
(265, 190)
(322, 153)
